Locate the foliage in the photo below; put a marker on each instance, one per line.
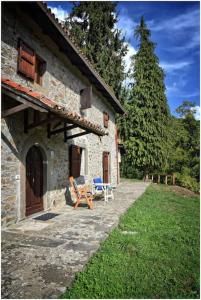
(188, 182)
(159, 259)
(184, 147)
(154, 142)
(144, 128)
(186, 108)
(93, 25)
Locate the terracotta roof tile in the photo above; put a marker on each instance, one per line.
(57, 109)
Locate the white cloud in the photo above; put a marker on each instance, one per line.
(195, 94)
(172, 88)
(190, 44)
(127, 61)
(127, 58)
(59, 12)
(187, 20)
(126, 25)
(171, 67)
(197, 112)
(78, 20)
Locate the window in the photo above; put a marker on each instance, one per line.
(26, 61)
(39, 69)
(77, 161)
(106, 170)
(86, 97)
(29, 64)
(105, 119)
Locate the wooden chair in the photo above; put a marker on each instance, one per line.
(80, 193)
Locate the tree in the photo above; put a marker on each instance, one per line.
(187, 108)
(144, 129)
(190, 142)
(93, 26)
(184, 147)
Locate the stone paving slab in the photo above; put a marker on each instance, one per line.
(40, 259)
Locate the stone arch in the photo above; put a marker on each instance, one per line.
(33, 140)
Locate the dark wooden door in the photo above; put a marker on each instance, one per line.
(75, 161)
(34, 181)
(105, 167)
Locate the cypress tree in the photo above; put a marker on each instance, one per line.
(144, 129)
(93, 26)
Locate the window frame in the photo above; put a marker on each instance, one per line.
(25, 63)
(106, 119)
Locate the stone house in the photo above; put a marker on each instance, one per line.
(58, 115)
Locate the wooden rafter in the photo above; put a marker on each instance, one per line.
(57, 124)
(13, 110)
(72, 127)
(42, 122)
(15, 95)
(26, 120)
(77, 135)
(65, 128)
(65, 131)
(52, 115)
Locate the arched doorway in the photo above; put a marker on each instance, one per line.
(34, 181)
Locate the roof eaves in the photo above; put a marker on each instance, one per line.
(53, 106)
(76, 48)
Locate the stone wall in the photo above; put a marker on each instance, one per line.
(62, 83)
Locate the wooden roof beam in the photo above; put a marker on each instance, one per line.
(76, 135)
(13, 110)
(65, 128)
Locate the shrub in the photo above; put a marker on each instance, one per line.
(188, 182)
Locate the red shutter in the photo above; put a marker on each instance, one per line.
(105, 167)
(86, 97)
(26, 60)
(75, 161)
(105, 119)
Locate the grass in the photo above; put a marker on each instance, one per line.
(160, 259)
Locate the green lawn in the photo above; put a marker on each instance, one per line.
(160, 259)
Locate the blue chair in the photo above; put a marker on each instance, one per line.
(97, 184)
(102, 188)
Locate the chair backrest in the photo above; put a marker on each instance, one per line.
(80, 180)
(73, 185)
(98, 180)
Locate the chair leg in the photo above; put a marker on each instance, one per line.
(112, 195)
(76, 204)
(90, 203)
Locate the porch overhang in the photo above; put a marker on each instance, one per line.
(27, 98)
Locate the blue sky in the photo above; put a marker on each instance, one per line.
(175, 28)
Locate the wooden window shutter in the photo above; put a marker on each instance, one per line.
(75, 161)
(86, 97)
(105, 167)
(105, 119)
(26, 60)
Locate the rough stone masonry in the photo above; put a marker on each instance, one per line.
(62, 82)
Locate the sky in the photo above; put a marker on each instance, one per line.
(175, 28)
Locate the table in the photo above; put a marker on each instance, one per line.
(108, 193)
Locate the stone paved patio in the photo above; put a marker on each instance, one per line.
(40, 259)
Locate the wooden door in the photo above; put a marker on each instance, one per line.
(75, 161)
(34, 181)
(105, 167)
